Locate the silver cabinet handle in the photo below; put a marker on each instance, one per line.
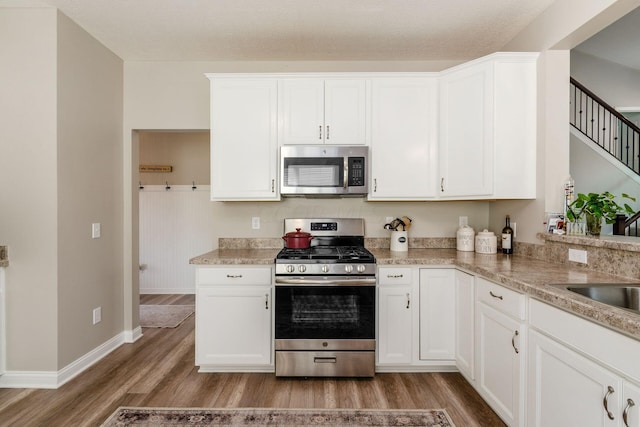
(513, 341)
(266, 301)
(320, 132)
(234, 276)
(605, 402)
(327, 131)
(495, 296)
(408, 300)
(442, 184)
(394, 276)
(625, 414)
(325, 360)
(273, 185)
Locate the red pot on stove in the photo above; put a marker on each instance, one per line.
(297, 239)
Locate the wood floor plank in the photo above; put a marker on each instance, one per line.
(158, 371)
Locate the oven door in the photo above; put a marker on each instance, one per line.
(324, 313)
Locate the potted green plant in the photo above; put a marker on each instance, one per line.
(595, 207)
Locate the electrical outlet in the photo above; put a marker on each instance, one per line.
(95, 230)
(577, 255)
(255, 222)
(513, 227)
(463, 221)
(97, 315)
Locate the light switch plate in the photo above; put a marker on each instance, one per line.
(255, 222)
(97, 315)
(95, 230)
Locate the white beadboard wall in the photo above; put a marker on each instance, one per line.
(173, 229)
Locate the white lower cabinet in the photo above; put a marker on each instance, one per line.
(233, 319)
(395, 316)
(580, 373)
(500, 335)
(437, 314)
(568, 389)
(416, 319)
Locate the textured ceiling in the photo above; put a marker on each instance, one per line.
(219, 30)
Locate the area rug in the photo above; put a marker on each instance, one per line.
(256, 417)
(164, 316)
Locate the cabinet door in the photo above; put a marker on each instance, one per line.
(465, 342)
(301, 111)
(500, 365)
(466, 126)
(233, 325)
(437, 314)
(244, 145)
(403, 138)
(345, 109)
(395, 333)
(568, 390)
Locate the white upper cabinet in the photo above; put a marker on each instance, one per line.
(244, 139)
(319, 111)
(488, 128)
(403, 138)
(466, 144)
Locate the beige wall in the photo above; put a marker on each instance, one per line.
(61, 170)
(186, 152)
(28, 185)
(89, 169)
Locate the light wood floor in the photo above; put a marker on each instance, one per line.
(158, 371)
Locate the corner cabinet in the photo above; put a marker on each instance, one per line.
(244, 138)
(319, 111)
(234, 318)
(403, 138)
(487, 135)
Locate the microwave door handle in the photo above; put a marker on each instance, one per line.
(346, 172)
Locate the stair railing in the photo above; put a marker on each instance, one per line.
(605, 126)
(612, 132)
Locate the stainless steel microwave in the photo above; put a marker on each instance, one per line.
(317, 170)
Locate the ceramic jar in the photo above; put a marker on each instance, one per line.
(465, 239)
(486, 242)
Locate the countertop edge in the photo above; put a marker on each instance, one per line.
(510, 271)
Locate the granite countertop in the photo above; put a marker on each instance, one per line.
(527, 275)
(4, 257)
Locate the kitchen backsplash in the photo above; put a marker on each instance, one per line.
(608, 254)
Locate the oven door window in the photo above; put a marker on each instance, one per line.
(320, 312)
(314, 172)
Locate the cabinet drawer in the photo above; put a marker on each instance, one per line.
(233, 276)
(503, 299)
(394, 276)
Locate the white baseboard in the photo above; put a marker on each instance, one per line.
(53, 379)
(133, 336)
(156, 291)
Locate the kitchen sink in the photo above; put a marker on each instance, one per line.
(621, 295)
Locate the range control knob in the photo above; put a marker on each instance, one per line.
(348, 268)
(325, 268)
(360, 268)
(302, 268)
(290, 268)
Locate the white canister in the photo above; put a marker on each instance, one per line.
(486, 242)
(399, 241)
(465, 239)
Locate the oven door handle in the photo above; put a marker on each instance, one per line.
(327, 282)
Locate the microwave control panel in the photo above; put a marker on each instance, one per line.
(356, 172)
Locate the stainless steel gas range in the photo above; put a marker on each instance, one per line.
(325, 302)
